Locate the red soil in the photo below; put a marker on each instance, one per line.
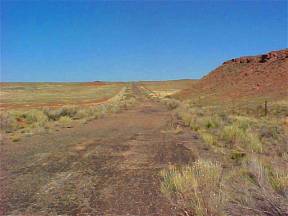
(52, 105)
(261, 75)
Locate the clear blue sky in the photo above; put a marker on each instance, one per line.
(89, 40)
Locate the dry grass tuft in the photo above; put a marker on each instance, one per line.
(65, 121)
(8, 122)
(208, 138)
(237, 135)
(259, 193)
(171, 103)
(279, 181)
(36, 117)
(212, 121)
(195, 189)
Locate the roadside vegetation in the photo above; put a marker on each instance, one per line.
(250, 177)
(194, 189)
(204, 188)
(48, 177)
(242, 171)
(24, 122)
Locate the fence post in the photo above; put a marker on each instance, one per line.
(266, 108)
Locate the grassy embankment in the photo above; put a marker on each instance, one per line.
(250, 177)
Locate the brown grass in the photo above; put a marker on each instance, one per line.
(195, 189)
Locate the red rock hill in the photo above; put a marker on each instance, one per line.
(261, 75)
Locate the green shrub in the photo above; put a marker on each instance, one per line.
(82, 113)
(195, 189)
(237, 155)
(15, 138)
(194, 125)
(36, 117)
(279, 180)
(89, 112)
(210, 122)
(233, 134)
(184, 115)
(65, 120)
(253, 142)
(243, 122)
(237, 135)
(208, 138)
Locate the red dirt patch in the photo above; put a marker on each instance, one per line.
(51, 105)
(262, 75)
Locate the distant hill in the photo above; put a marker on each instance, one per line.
(261, 75)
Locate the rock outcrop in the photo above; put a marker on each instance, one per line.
(271, 56)
(261, 75)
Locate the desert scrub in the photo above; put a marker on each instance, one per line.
(194, 124)
(284, 155)
(194, 189)
(278, 179)
(73, 112)
(186, 118)
(236, 135)
(113, 108)
(35, 117)
(253, 142)
(208, 138)
(244, 122)
(237, 155)
(198, 118)
(171, 103)
(232, 134)
(65, 120)
(184, 114)
(211, 121)
(257, 194)
(15, 137)
(8, 122)
(129, 101)
(89, 113)
(272, 131)
(38, 118)
(69, 111)
(279, 108)
(55, 114)
(197, 122)
(83, 113)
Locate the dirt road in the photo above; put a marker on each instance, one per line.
(109, 166)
